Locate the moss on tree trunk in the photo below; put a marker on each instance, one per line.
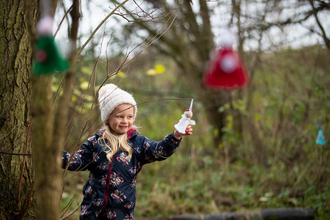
(16, 170)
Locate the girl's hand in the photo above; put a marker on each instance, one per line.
(178, 135)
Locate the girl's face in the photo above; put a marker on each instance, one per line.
(122, 118)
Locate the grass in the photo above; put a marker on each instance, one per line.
(207, 185)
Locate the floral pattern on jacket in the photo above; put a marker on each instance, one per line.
(120, 200)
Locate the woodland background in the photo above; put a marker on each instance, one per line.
(251, 149)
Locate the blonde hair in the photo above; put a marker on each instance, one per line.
(114, 141)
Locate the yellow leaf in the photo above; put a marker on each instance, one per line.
(74, 98)
(216, 132)
(84, 85)
(263, 199)
(65, 195)
(54, 87)
(151, 72)
(160, 69)
(77, 92)
(89, 98)
(86, 70)
(121, 74)
(88, 105)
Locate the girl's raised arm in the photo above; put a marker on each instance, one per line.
(150, 151)
(81, 158)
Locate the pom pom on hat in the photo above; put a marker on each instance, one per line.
(110, 96)
(105, 88)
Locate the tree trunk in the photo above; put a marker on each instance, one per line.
(16, 167)
(47, 157)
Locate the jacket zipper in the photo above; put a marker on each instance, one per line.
(106, 191)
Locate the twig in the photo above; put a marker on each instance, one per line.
(30, 194)
(139, 21)
(60, 24)
(62, 191)
(164, 99)
(148, 15)
(97, 28)
(65, 209)
(324, 34)
(89, 82)
(58, 89)
(22, 165)
(3, 137)
(71, 213)
(16, 154)
(152, 41)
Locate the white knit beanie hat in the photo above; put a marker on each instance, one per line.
(110, 96)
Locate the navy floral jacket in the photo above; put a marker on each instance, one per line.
(109, 192)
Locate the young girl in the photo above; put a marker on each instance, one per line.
(115, 156)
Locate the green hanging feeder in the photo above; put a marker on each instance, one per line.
(47, 59)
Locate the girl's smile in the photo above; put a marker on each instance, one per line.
(122, 118)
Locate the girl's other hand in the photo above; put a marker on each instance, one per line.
(178, 135)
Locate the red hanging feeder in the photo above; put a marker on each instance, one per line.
(226, 70)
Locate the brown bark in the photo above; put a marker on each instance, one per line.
(16, 167)
(238, 118)
(47, 157)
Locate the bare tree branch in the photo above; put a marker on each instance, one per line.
(324, 35)
(98, 27)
